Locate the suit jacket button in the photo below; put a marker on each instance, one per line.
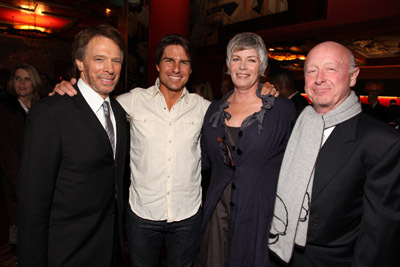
(239, 152)
(233, 186)
(231, 204)
(240, 133)
(112, 213)
(316, 222)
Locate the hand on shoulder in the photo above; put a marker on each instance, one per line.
(65, 87)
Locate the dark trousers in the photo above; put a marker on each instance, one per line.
(145, 239)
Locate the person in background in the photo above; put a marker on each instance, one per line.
(393, 114)
(203, 88)
(284, 82)
(5, 75)
(374, 108)
(243, 140)
(22, 92)
(70, 188)
(227, 85)
(47, 85)
(338, 194)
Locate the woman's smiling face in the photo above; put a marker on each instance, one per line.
(23, 85)
(245, 66)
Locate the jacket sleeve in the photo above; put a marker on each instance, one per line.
(378, 242)
(36, 184)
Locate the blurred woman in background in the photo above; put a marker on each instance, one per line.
(21, 94)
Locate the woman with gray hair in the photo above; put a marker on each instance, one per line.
(243, 142)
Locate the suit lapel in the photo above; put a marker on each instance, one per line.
(90, 119)
(334, 154)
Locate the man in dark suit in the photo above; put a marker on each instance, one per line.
(338, 197)
(374, 108)
(71, 178)
(284, 81)
(393, 114)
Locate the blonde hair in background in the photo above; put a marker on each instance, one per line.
(33, 75)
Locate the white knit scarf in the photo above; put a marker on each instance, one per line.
(290, 222)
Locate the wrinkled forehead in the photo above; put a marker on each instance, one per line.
(328, 54)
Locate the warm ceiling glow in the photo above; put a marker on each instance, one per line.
(39, 11)
(24, 17)
(295, 49)
(288, 53)
(108, 11)
(285, 56)
(31, 28)
(26, 11)
(30, 8)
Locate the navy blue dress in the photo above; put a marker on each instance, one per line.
(251, 169)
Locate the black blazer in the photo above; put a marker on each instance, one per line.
(355, 202)
(300, 102)
(12, 126)
(69, 183)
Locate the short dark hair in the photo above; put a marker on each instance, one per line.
(173, 39)
(83, 38)
(282, 78)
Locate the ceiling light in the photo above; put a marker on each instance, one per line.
(31, 28)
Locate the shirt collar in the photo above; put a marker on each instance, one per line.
(23, 106)
(94, 100)
(295, 93)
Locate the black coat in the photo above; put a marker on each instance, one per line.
(355, 205)
(300, 102)
(257, 158)
(69, 185)
(12, 126)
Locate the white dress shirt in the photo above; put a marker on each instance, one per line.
(95, 102)
(292, 95)
(23, 106)
(327, 133)
(165, 157)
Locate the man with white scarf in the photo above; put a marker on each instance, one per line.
(338, 196)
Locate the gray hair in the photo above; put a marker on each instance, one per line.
(352, 62)
(244, 41)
